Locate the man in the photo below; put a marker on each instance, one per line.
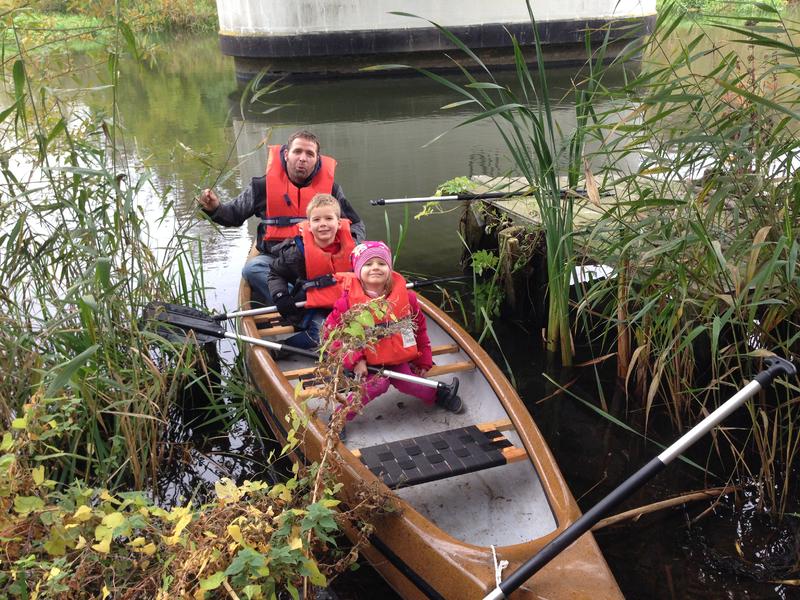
(295, 173)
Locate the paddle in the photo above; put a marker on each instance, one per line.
(467, 197)
(268, 309)
(176, 322)
(775, 367)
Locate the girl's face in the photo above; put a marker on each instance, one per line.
(375, 274)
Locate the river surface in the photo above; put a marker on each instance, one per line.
(185, 120)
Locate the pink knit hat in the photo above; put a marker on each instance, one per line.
(366, 250)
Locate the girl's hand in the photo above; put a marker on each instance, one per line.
(419, 371)
(360, 369)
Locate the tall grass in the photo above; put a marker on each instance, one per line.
(523, 115)
(705, 232)
(77, 264)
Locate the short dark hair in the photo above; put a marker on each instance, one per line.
(303, 134)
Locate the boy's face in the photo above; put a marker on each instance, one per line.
(324, 223)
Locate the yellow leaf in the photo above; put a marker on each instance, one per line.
(181, 524)
(149, 549)
(38, 475)
(178, 513)
(104, 546)
(104, 495)
(236, 533)
(227, 491)
(139, 541)
(54, 572)
(84, 513)
(81, 543)
(106, 592)
(210, 535)
(113, 520)
(295, 543)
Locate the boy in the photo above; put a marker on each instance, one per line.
(304, 268)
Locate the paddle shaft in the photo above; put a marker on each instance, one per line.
(467, 197)
(268, 309)
(776, 366)
(315, 355)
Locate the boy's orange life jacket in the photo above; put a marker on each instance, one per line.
(287, 203)
(322, 289)
(393, 349)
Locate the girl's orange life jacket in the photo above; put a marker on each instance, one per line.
(322, 289)
(393, 349)
(287, 203)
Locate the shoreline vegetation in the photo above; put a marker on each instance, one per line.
(708, 277)
(68, 26)
(90, 391)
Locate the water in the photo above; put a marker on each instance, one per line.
(187, 105)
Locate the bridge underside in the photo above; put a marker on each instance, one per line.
(346, 53)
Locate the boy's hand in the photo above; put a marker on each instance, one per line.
(208, 200)
(285, 305)
(360, 369)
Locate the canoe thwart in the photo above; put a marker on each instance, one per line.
(278, 330)
(435, 350)
(439, 455)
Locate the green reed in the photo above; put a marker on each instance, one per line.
(705, 231)
(77, 264)
(523, 114)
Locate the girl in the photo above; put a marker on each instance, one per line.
(406, 351)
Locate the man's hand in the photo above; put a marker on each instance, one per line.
(285, 304)
(360, 369)
(208, 200)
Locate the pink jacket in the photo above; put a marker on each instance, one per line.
(425, 360)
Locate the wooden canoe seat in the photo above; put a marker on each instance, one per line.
(304, 372)
(277, 330)
(267, 317)
(441, 455)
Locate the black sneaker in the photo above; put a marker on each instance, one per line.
(447, 397)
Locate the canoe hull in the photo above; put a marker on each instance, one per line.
(415, 556)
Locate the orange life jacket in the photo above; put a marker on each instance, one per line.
(287, 203)
(322, 289)
(393, 349)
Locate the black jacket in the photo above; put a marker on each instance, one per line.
(288, 267)
(252, 202)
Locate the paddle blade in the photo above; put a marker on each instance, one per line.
(177, 323)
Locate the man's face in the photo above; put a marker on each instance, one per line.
(301, 158)
(324, 223)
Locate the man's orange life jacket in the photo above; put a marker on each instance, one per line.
(287, 203)
(322, 289)
(398, 347)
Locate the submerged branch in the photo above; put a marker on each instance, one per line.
(636, 513)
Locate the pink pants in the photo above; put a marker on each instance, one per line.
(375, 385)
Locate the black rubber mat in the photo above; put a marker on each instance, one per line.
(435, 456)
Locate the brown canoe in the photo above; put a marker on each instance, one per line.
(439, 544)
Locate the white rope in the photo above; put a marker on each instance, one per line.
(498, 567)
